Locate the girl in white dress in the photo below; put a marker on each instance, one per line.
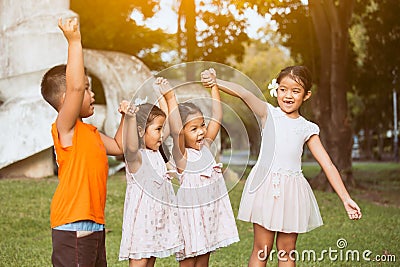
(206, 216)
(277, 198)
(150, 227)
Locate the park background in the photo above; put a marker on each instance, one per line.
(352, 48)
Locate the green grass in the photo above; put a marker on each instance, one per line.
(25, 235)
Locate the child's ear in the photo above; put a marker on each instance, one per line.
(307, 95)
(62, 99)
(141, 131)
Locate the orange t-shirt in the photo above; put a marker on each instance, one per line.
(82, 174)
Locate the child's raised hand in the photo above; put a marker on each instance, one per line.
(126, 108)
(213, 74)
(70, 29)
(209, 78)
(123, 107)
(162, 86)
(352, 209)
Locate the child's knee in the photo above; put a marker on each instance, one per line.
(262, 250)
(286, 245)
(285, 250)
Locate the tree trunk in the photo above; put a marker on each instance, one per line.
(331, 23)
(380, 143)
(187, 12)
(368, 138)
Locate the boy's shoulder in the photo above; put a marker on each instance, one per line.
(82, 128)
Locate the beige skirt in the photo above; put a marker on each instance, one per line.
(284, 202)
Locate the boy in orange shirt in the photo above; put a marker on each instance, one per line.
(77, 208)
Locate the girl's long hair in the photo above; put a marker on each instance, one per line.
(145, 115)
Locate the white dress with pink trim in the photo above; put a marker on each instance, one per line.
(205, 210)
(276, 194)
(151, 221)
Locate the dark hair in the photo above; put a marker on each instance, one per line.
(54, 85)
(186, 109)
(300, 74)
(146, 114)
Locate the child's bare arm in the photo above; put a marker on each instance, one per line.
(75, 82)
(114, 146)
(251, 100)
(129, 137)
(175, 122)
(215, 122)
(320, 154)
(164, 107)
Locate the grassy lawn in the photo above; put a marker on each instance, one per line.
(25, 235)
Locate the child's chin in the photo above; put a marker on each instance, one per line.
(154, 148)
(197, 145)
(88, 115)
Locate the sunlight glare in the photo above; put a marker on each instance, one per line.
(166, 19)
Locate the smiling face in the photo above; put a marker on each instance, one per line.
(194, 131)
(290, 96)
(153, 134)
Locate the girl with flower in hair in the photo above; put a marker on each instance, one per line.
(277, 198)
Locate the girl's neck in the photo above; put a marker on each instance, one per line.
(292, 115)
(195, 148)
(147, 148)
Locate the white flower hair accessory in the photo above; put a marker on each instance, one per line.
(138, 101)
(273, 86)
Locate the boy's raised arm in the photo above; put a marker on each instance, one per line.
(75, 82)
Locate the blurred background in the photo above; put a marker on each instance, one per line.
(351, 47)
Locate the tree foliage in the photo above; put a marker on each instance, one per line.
(317, 34)
(107, 25)
(223, 33)
(378, 70)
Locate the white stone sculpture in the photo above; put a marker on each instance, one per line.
(31, 43)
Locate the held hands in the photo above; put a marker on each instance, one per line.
(126, 108)
(209, 78)
(352, 209)
(162, 86)
(70, 29)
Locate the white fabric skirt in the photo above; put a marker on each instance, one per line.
(284, 202)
